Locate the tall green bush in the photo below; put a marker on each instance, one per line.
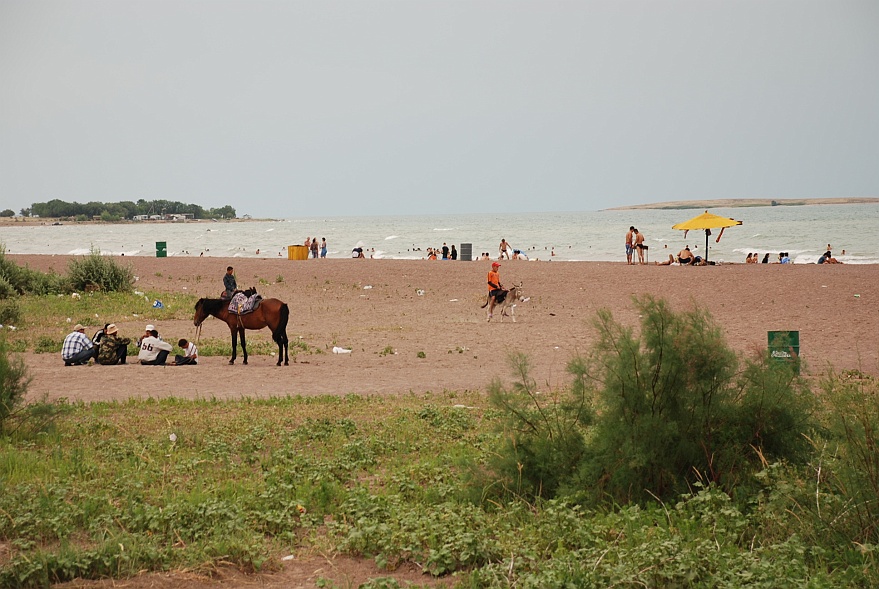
(14, 381)
(543, 440)
(674, 406)
(18, 280)
(847, 462)
(95, 271)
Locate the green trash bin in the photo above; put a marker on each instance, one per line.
(161, 249)
(784, 346)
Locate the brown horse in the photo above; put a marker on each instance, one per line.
(271, 313)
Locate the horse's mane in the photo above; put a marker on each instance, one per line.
(211, 306)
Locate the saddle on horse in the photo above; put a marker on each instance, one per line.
(244, 301)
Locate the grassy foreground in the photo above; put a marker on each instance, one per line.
(118, 488)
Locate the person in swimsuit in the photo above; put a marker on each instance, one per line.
(502, 249)
(686, 256)
(630, 244)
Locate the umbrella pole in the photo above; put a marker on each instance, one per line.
(706, 245)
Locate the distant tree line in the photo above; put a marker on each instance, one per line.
(115, 211)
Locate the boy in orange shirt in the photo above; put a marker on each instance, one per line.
(494, 287)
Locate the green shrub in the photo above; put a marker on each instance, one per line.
(10, 312)
(14, 381)
(15, 280)
(847, 463)
(672, 410)
(675, 410)
(47, 345)
(99, 272)
(6, 288)
(543, 442)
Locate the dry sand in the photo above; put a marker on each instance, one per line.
(370, 306)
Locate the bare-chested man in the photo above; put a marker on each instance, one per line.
(639, 245)
(502, 249)
(630, 244)
(686, 256)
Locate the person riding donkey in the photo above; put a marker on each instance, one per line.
(496, 292)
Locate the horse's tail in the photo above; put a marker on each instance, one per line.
(487, 300)
(280, 333)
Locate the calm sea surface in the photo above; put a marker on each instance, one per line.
(803, 231)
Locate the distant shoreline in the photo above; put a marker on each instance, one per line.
(747, 202)
(31, 221)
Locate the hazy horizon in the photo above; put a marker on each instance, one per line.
(285, 109)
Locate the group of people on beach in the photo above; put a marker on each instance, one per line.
(108, 348)
(316, 250)
(635, 244)
(754, 258)
(444, 253)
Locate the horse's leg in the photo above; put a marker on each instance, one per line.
(243, 345)
(234, 346)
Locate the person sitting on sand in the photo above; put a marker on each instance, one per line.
(113, 349)
(827, 258)
(77, 348)
(686, 256)
(765, 259)
(190, 353)
(669, 262)
(153, 351)
(357, 252)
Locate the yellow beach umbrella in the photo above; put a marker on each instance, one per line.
(707, 221)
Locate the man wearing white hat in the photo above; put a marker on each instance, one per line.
(77, 348)
(153, 351)
(146, 333)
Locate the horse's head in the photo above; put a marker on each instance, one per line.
(200, 313)
(516, 293)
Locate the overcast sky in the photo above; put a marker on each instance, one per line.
(327, 108)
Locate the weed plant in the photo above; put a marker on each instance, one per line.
(20, 280)
(14, 380)
(674, 407)
(95, 271)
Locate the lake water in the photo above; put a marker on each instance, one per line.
(803, 231)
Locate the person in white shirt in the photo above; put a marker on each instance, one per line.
(190, 353)
(153, 351)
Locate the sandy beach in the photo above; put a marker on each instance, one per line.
(374, 306)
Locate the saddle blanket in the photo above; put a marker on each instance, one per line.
(241, 304)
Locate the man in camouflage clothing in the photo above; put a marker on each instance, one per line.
(114, 349)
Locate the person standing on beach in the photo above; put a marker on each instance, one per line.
(454, 253)
(630, 243)
(229, 283)
(323, 247)
(502, 249)
(314, 248)
(639, 245)
(445, 251)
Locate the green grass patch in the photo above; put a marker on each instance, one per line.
(121, 487)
